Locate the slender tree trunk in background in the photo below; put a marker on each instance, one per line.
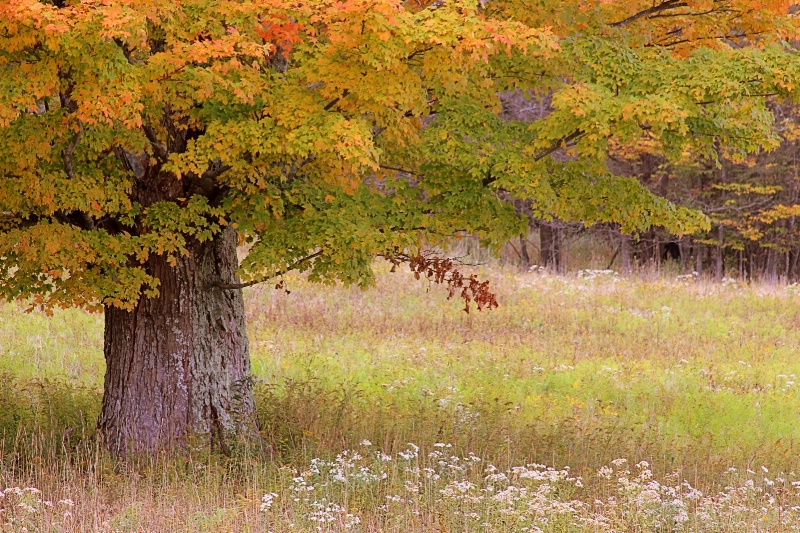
(524, 258)
(788, 264)
(657, 251)
(643, 249)
(625, 253)
(698, 257)
(750, 266)
(772, 265)
(742, 274)
(720, 236)
(178, 365)
(792, 275)
(683, 247)
(550, 246)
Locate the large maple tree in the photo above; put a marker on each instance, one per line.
(143, 141)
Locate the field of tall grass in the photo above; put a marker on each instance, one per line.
(584, 403)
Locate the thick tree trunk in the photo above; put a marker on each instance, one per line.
(178, 365)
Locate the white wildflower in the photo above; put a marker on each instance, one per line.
(266, 500)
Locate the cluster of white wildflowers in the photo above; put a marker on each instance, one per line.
(749, 502)
(21, 509)
(594, 274)
(694, 275)
(538, 268)
(368, 490)
(589, 281)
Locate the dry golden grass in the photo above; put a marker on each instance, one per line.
(691, 376)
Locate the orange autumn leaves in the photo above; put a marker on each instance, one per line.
(344, 129)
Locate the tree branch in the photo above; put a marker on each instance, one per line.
(697, 14)
(214, 173)
(412, 55)
(69, 151)
(705, 38)
(557, 145)
(335, 101)
(159, 149)
(489, 179)
(236, 286)
(126, 50)
(663, 6)
(403, 170)
(206, 184)
(137, 164)
(84, 220)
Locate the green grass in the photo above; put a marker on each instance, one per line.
(690, 376)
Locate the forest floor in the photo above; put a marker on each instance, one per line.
(584, 403)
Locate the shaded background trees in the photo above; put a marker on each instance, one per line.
(752, 202)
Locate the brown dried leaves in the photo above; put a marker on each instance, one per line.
(444, 271)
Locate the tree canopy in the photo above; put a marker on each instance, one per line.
(327, 132)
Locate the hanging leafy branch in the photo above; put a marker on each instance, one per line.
(445, 271)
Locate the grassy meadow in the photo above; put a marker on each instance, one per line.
(584, 403)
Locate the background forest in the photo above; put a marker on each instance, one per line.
(751, 202)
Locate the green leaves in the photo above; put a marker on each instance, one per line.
(336, 130)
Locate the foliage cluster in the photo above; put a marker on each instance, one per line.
(331, 132)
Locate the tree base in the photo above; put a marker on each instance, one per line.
(178, 366)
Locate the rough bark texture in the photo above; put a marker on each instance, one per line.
(178, 365)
